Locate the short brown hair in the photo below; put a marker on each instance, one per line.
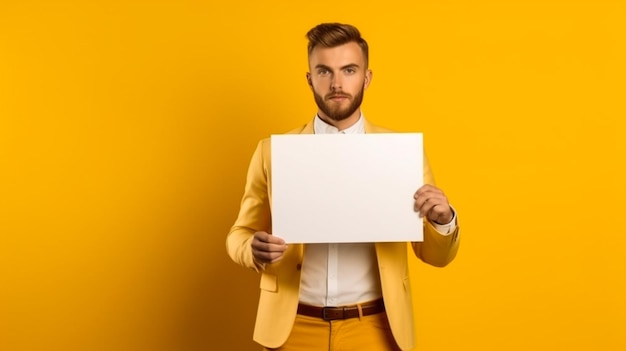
(330, 35)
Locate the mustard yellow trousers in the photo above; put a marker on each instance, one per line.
(367, 333)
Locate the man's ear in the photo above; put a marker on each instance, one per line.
(308, 79)
(368, 78)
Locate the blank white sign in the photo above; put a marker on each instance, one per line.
(332, 188)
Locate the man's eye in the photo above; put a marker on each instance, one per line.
(350, 70)
(323, 72)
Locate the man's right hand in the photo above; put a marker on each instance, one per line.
(267, 248)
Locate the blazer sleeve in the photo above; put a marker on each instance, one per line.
(254, 213)
(437, 249)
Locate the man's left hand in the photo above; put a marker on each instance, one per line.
(431, 202)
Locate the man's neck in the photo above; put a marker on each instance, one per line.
(344, 123)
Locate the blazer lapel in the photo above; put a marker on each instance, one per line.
(370, 128)
(308, 129)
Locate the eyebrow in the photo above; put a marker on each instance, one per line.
(352, 65)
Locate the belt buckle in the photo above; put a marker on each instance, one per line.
(328, 318)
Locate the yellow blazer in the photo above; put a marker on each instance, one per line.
(280, 281)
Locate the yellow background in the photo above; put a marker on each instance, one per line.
(126, 128)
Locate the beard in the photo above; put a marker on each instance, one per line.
(333, 110)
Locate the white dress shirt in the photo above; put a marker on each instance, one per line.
(345, 273)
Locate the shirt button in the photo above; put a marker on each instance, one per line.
(299, 266)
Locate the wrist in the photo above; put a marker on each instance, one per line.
(446, 218)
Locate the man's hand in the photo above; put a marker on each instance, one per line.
(432, 203)
(267, 248)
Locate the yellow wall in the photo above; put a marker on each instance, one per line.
(126, 128)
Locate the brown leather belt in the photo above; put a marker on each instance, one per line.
(341, 312)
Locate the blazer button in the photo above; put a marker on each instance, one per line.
(299, 266)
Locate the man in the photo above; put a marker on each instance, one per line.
(300, 284)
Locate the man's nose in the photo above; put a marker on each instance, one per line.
(335, 83)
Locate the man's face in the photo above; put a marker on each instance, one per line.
(338, 77)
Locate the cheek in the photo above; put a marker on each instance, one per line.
(319, 82)
(318, 87)
(357, 86)
(316, 91)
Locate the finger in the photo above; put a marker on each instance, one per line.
(419, 203)
(426, 207)
(427, 198)
(425, 204)
(267, 247)
(269, 238)
(278, 257)
(427, 188)
(438, 210)
(428, 193)
(437, 214)
(267, 257)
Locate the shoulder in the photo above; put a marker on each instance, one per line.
(373, 128)
(298, 130)
(303, 129)
(264, 143)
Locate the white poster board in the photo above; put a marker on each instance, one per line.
(332, 188)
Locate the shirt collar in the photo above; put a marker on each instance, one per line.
(321, 127)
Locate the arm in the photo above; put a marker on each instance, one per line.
(254, 212)
(248, 242)
(437, 249)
